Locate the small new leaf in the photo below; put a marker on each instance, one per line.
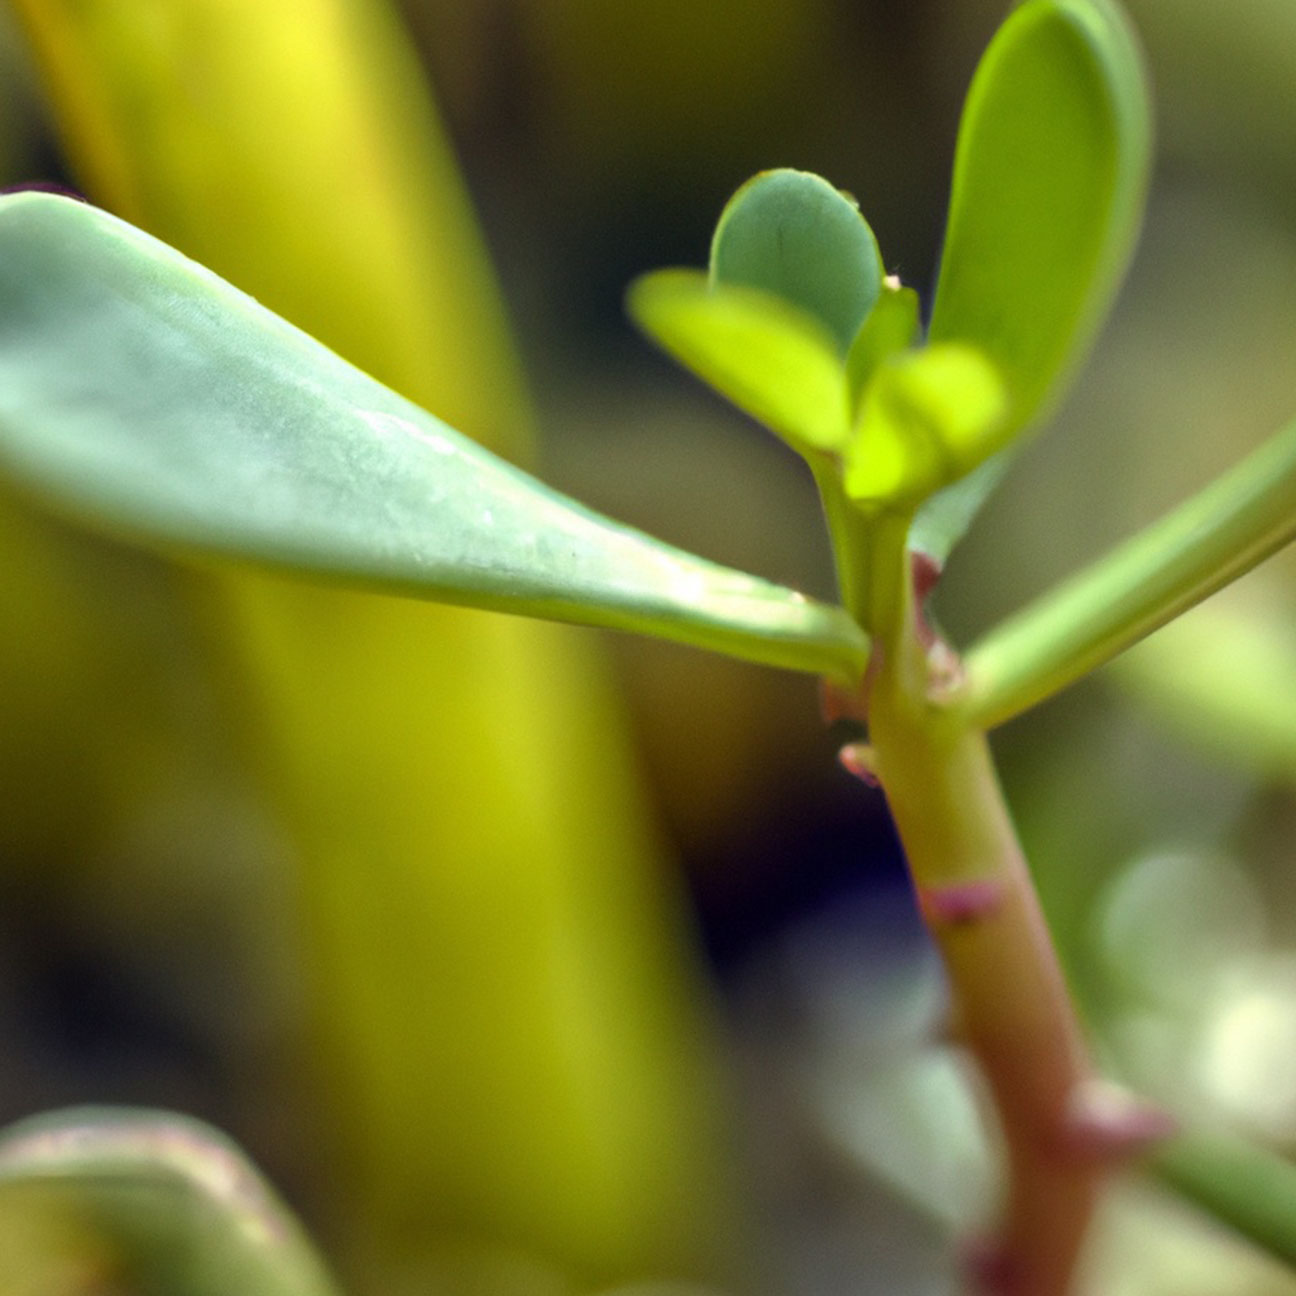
(773, 360)
(892, 326)
(792, 234)
(928, 417)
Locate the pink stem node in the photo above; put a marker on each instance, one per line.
(959, 904)
(1106, 1122)
(859, 760)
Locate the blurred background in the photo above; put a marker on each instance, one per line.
(677, 1024)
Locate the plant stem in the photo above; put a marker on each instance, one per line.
(1013, 1009)
(1247, 1186)
(851, 534)
(1217, 535)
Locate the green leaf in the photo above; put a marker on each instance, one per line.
(790, 233)
(296, 151)
(774, 361)
(141, 392)
(1050, 177)
(928, 417)
(181, 1207)
(943, 519)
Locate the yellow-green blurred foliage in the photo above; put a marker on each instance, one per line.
(495, 963)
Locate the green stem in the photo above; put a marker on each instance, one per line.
(1013, 1009)
(1248, 1187)
(849, 531)
(1216, 536)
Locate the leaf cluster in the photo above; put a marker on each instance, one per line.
(798, 324)
(146, 395)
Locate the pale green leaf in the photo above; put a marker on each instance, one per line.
(892, 325)
(141, 392)
(929, 416)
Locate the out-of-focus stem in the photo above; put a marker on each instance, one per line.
(1248, 1186)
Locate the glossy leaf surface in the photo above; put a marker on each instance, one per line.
(142, 392)
(774, 361)
(792, 234)
(295, 150)
(179, 1206)
(1049, 181)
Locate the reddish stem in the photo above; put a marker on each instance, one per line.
(1011, 1002)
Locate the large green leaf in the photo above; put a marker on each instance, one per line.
(1049, 181)
(140, 391)
(179, 1206)
(294, 149)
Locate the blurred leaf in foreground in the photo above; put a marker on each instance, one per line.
(179, 1210)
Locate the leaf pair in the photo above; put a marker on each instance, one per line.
(795, 272)
(798, 326)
